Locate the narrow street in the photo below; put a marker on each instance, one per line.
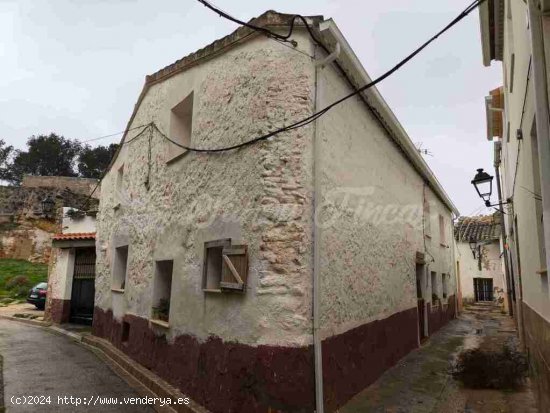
(422, 381)
(37, 362)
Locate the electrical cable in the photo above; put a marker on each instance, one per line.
(112, 134)
(145, 127)
(311, 118)
(305, 121)
(292, 48)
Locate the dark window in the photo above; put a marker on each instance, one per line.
(120, 267)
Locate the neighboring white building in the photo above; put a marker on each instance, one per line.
(239, 276)
(517, 33)
(480, 260)
(71, 274)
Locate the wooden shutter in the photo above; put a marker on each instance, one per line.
(234, 268)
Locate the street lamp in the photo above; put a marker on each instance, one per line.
(483, 183)
(48, 205)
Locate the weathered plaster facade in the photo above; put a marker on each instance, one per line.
(491, 267)
(254, 350)
(485, 233)
(260, 195)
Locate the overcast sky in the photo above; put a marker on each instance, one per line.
(76, 67)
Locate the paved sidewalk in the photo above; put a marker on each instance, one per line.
(422, 383)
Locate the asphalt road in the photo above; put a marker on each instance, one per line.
(39, 363)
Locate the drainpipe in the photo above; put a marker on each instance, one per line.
(317, 349)
(498, 146)
(540, 88)
(320, 63)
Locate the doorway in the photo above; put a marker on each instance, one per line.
(483, 289)
(83, 290)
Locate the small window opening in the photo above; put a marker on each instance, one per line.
(435, 296)
(442, 237)
(120, 267)
(427, 218)
(119, 183)
(213, 267)
(162, 290)
(444, 279)
(181, 125)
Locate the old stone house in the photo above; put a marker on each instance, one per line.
(480, 263)
(286, 275)
(517, 34)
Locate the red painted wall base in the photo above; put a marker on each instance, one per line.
(58, 311)
(233, 377)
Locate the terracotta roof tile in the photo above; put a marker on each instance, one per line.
(480, 228)
(73, 236)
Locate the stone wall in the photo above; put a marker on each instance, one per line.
(25, 232)
(259, 196)
(78, 185)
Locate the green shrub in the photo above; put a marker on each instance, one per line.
(17, 277)
(17, 281)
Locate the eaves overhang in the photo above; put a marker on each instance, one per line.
(74, 240)
(491, 22)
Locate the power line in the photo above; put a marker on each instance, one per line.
(112, 134)
(313, 117)
(292, 48)
(145, 127)
(305, 121)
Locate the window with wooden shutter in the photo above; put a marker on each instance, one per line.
(234, 268)
(225, 266)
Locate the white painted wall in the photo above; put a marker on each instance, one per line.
(517, 170)
(372, 218)
(491, 267)
(75, 225)
(60, 274)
